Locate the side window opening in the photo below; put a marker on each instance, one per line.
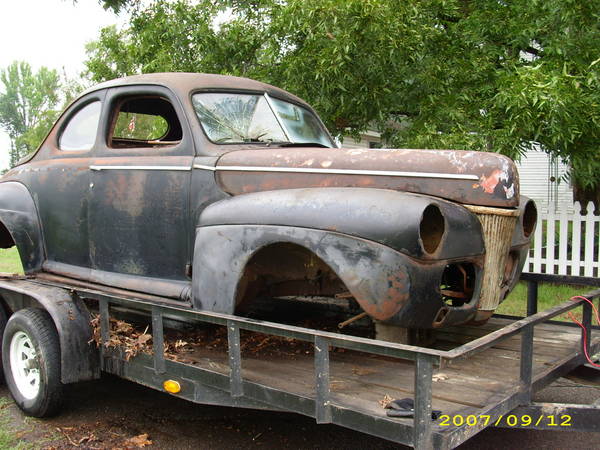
(141, 122)
(80, 132)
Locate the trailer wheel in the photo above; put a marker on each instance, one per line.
(31, 361)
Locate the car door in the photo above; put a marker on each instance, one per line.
(139, 193)
(59, 182)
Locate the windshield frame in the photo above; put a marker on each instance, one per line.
(268, 96)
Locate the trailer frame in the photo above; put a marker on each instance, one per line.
(207, 386)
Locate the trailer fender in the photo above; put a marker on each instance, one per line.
(79, 356)
(21, 227)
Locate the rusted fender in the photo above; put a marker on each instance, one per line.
(19, 215)
(388, 217)
(387, 284)
(477, 178)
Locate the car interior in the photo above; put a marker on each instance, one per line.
(144, 121)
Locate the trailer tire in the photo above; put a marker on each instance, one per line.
(3, 320)
(31, 362)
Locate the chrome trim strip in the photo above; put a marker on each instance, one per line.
(179, 168)
(203, 167)
(385, 173)
(279, 121)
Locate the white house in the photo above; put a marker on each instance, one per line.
(543, 179)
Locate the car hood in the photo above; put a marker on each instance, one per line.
(476, 178)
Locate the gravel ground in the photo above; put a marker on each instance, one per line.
(110, 412)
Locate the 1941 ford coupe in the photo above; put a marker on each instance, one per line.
(214, 191)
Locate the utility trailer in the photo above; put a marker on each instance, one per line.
(474, 376)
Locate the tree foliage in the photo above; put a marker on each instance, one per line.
(30, 102)
(27, 106)
(477, 74)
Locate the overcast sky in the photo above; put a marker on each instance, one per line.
(50, 33)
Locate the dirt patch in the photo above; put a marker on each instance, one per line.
(67, 432)
(108, 413)
(105, 414)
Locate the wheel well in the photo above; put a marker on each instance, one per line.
(6, 239)
(286, 269)
(17, 301)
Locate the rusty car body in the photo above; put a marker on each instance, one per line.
(215, 190)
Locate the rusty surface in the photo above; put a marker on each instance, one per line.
(184, 83)
(60, 280)
(286, 270)
(496, 181)
(137, 228)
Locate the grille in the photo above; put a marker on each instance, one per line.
(498, 225)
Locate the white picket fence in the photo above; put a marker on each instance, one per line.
(565, 242)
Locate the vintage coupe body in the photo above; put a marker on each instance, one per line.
(214, 191)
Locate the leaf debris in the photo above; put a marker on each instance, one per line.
(138, 441)
(386, 400)
(123, 335)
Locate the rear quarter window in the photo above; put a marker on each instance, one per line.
(81, 130)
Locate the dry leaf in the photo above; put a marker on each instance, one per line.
(439, 377)
(143, 338)
(131, 340)
(386, 400)
(141, 440)
(90, 438)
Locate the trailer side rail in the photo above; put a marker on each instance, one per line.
(419, 434)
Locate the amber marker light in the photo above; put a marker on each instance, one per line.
(172, 386)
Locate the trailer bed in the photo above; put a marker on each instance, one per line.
(363, 380)
(487, 383)
(477, 372)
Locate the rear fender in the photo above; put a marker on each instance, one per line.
(22, 228)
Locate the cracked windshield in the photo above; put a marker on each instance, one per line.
(241, 118)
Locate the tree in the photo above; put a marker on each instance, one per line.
(27, 106)
(476, 74)
(117, 5)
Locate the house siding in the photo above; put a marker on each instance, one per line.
(363, 142)
(536, 169)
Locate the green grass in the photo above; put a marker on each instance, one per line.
(10, 438)
(10, 261)
(548, 295)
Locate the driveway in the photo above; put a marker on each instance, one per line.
(114, 413)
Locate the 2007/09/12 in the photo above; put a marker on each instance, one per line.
(510, 420)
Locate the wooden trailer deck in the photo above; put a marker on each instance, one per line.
(471, 372)
(465, 387)
(479, 388)
(362, 380)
